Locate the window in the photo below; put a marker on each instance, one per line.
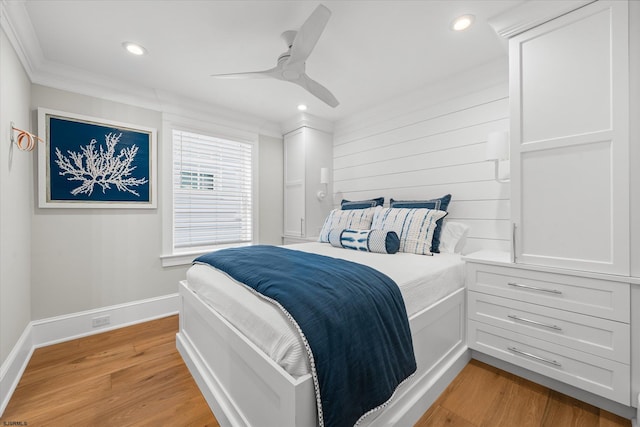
(212, 191)
(196, 180)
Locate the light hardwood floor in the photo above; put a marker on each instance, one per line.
(126, 377)
(483, 396)
(134, 376)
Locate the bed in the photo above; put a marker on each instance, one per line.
(249, 381)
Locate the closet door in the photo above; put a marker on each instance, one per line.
(569, 140)
(294, 183)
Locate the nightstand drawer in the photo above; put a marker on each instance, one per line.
(594, 297)
(605, 338)
(604, 377)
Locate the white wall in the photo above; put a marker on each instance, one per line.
(634, 134)
(91, 258)
(431, 143)
(271, 186)
(16, 201)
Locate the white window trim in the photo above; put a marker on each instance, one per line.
(171, 257)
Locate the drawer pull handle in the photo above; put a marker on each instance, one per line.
(533, 322)
(533, 356)
(534, 288)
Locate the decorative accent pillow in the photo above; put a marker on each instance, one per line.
(334, 237)
(440, 204)
(415, 227)
(453, 237)
(378, 241)
(355, 219)
(361, 204)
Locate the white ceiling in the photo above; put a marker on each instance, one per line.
(370, 51)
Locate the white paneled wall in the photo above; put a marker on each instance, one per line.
(431, 152)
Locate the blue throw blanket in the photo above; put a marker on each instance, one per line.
(351, 316)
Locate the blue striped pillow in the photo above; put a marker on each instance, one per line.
(378, 241)
(440, 204)
(355, 219)
(415, 227)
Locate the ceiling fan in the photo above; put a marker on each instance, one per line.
(291, 64)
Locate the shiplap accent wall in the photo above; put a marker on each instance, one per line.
(430, 152)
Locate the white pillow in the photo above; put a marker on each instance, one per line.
(354, 219)
(453, 237)
(415, 227)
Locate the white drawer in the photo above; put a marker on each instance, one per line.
(601, 298)
(604, 377)
(602, 337)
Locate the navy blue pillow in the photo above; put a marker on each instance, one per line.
(361, 204)
(440, 204)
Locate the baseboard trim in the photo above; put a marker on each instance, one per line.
(14, 365)
(77, 325)
(58, 329)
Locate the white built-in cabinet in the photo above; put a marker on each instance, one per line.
(575, 329)
(306, 151)
(569, 97)
(563, 307)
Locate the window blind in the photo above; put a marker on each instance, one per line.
(212, 191)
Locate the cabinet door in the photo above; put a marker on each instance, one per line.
(294, 183)
(569, 140)
(319, 154)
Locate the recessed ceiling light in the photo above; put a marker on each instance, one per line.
(302, 107)
(134, 48)
(462, 22)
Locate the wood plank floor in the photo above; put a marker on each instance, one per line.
(134, 376)
(483, 396)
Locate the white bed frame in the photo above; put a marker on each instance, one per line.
(244, 387)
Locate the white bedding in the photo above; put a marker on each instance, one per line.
(422, 280)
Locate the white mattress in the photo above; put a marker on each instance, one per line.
(422, 280)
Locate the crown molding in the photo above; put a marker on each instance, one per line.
(176, 105)
(71, 79)
(15, 21)
(532, 13)
(306, 120)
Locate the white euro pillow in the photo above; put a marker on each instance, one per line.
(453, 237)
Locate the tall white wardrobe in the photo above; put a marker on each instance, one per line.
(308, 148)
(562, 307)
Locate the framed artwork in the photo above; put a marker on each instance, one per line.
(87, 162)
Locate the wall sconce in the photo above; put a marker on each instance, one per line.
(324, 180)
(498, 150)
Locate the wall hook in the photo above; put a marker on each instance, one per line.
(26, 141)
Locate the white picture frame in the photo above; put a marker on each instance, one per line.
(90, 162)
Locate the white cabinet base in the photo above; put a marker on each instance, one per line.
(572, 331)
(595, 374)
(582, 395)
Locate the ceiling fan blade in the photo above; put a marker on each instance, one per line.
(308, 35)
(317, 90)
(250, 75)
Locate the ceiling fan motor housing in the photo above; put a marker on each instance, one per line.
(289, 37)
